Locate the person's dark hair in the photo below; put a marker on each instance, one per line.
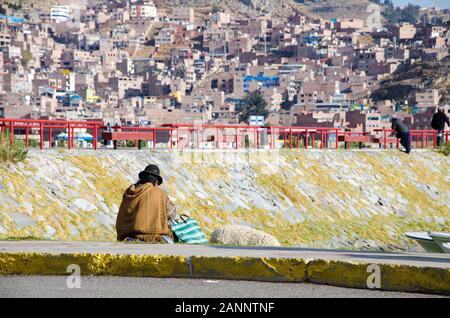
(148, 178)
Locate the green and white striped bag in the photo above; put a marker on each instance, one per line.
(187, 230)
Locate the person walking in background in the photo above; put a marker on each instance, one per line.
(402, 132)
(146, 210)
(438, 123)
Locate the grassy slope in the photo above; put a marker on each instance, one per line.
(328, 196)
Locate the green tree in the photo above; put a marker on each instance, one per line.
(216, 8)
(394, 14)
(27, 57)
(254, 105)
(410, 14)
(15, 6)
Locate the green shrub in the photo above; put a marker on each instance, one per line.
(12, 153)
(445, 149)
(247, 141)
(33, 143)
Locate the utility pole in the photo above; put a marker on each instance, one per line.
(225, 44)
(265, 43)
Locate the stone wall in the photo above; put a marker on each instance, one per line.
(332, 199)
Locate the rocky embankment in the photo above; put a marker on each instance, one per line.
(330, 199)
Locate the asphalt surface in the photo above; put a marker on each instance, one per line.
(124, 287)
(414, 259)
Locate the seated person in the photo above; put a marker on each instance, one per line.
(145, 210)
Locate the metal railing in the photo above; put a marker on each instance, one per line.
(181, 136)
(41, 126)
(421, 139)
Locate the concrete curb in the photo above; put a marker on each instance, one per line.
(247, 268)
(393, 277)
(94, 264)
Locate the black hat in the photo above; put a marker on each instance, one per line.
(151, 170)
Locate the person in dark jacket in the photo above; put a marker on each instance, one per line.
(438, 123)
(402, 132)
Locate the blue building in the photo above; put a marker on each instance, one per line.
(12, 19)
(75, 100)
(265, 81)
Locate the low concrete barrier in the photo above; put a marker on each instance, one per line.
(94, 264)
(392, 277)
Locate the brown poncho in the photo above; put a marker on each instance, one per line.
(143, 214)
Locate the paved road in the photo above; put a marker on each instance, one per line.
(432, 260)
(109, 286)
